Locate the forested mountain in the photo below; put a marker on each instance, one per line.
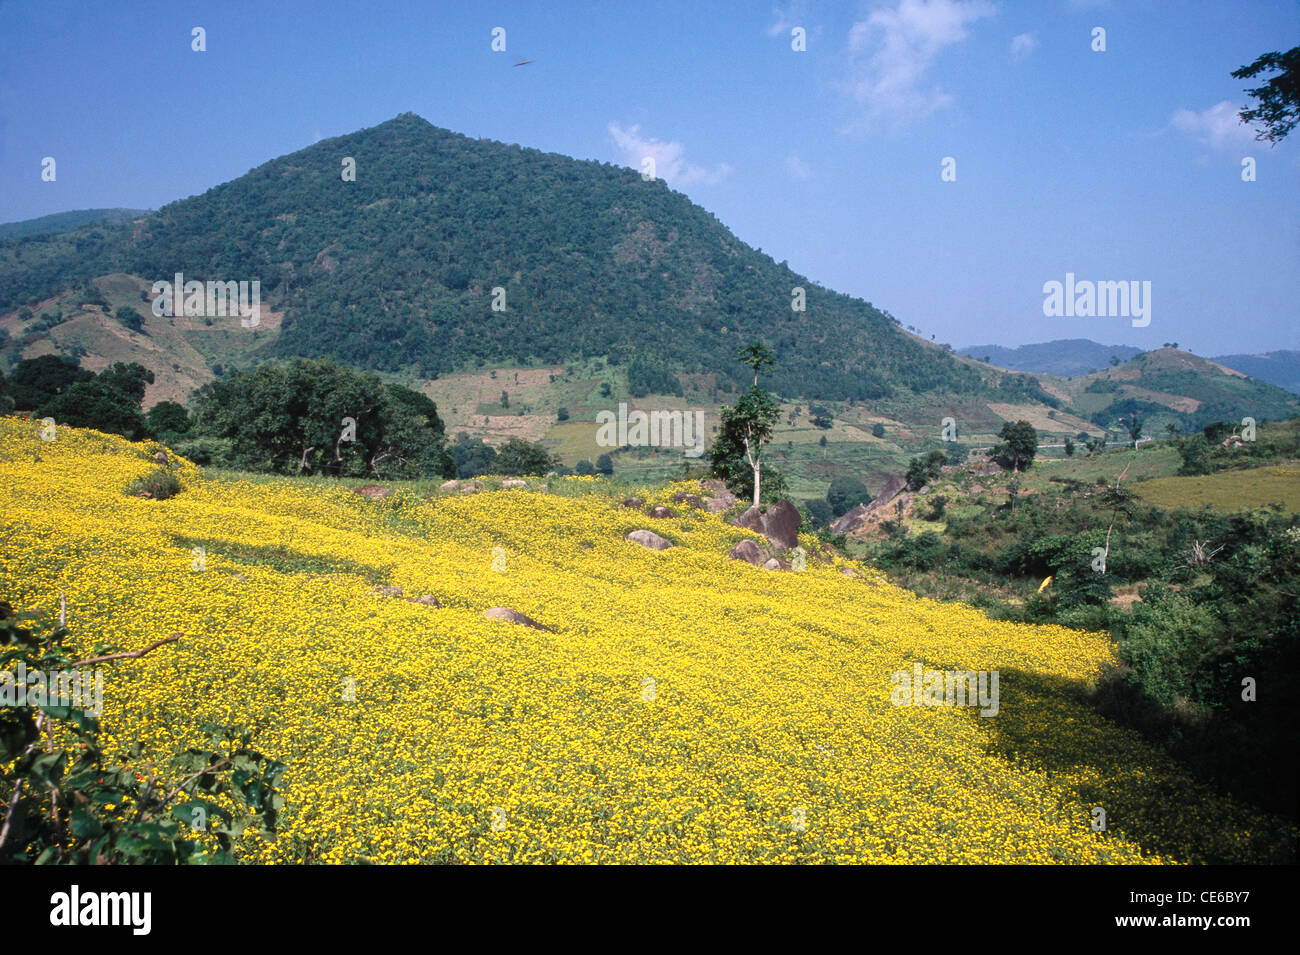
(67, 221)
(395, 271)
(1065, 357)
(1281, 368)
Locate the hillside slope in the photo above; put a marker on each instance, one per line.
(1281, 368)
(67, 221)
(1169, 386)
(395, 271)
(427, 733)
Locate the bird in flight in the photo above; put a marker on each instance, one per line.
(523, 62)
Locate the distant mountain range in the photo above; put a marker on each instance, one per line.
(67, 221)
(1281, 368)
(1069, 357)
(1065, 358)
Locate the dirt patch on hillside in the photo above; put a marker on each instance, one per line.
(1181, 403)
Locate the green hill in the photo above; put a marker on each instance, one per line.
(396, 270)
(67, 221)
(1168, 386)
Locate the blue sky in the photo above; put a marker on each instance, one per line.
(1115, 165)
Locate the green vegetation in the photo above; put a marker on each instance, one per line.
(1196, 599)
(75, 804)
(593, 260)
(158, 484)
(846, 492)
(319, 416)
(1018, 446)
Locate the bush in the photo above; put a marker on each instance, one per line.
(158, 484)
(518, 458)
(820, 511)
(921, 471)
(846, 492)
(878, 430)
(129, 317)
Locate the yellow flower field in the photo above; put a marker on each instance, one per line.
(416, 733)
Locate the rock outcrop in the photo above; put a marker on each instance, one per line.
(780, 525)
(749, 552)
(506, 615)
(648, 539)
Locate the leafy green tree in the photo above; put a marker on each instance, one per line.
(316, 415)
(758, 357)
(820, 510)
(1134, 428)
(846, 492)
(472, 456)
(35, 381)
(878, 430)
(922, 471)
(518, 458)
(1278, 100)
(1018, 446)
(745, 428)
(585, 468)
(1069, 447)
(605, 464)
(168, 417)
(105, 403)
(821, 417)
(128, 378)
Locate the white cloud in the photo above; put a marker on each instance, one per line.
(891, 51)
(1022, 45)
(668, 158)
(785, 21)
(797, 168)
(1218, 126)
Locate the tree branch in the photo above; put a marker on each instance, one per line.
(132, 655)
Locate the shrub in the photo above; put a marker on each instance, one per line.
(820, 511)
(846, 492)
(69, 804)
(158, 484)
